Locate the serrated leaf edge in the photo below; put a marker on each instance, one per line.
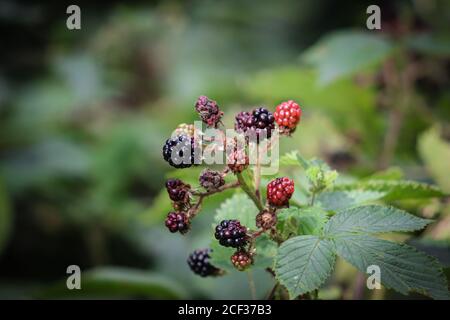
(333, 264)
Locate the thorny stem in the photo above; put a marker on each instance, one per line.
(249, 192)
(315, 295)
(398, 98)
(258, 176)
(272, 291)
(251, 284)
(220, 189)
(202, 195)
(261, 152)
(313, 198)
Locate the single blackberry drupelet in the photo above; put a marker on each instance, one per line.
(211, 180)
(231, 233)
(178, 191)
(179, 151)
(199, 263)
(241, 260)
(209, 111)
(279, 191)
(287, 115)
(177, 222)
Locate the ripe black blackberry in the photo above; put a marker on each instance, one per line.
(198, 261)
(259, 122)
(211, 180)
(178, 191)
(231, 233)
(177, 222)
(180, 152)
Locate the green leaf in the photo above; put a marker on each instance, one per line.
(338, 200)
(266, 250)
(344, 53)
(373, 219)
(403, 268)
(304, 263)
(5, 217)
(393, 189)
(239, 207)
(393, 173)
(435, 153)
(304, 221)
(113, 282)
(294, 158)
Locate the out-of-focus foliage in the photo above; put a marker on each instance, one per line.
(430, 145)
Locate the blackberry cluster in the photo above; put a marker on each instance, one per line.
(178, 191)
(209, 111)
(279, 191)
(179, 151)
(260, 122)
(177, 222)
(199, 263)
(211, 180)
(241, 260)
(231, 233)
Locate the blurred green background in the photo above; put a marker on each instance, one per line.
(84, 114)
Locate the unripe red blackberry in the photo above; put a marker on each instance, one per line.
(287, 115)
(241, 260)
(211, 180)
(266, 219)
(199, 263)
(180, 151)
(177, 222)
(279, 191)
(237, 161)
(178, 191)
(231, 233)
(209, 111)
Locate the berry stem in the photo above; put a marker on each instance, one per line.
(272, 292)
(258, 176)
(222, 188)
(202, 195)
(249, 192)
(313, 198)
